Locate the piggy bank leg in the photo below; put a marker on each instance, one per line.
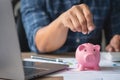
(80, 67)
(97, 68)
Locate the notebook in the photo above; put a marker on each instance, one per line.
(11, 64)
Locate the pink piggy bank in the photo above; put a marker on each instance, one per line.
(88, 56)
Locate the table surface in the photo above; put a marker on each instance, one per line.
(49, 55)
(72, 55)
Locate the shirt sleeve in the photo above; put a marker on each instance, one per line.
(115, 17)
(34, 17)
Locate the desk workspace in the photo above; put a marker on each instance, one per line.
(11, 65)
(109, 70)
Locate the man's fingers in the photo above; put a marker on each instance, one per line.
(117, 47)
(75, 21)
(71, 26)
(79, 19)
(88, 16)
(82, 20)
(68, 23)
(115, 43)
(109, 48)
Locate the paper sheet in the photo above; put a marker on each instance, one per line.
(92, 77)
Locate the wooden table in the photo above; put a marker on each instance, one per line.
(61, 55)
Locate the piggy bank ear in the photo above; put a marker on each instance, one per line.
(97, 47)
(81, 47)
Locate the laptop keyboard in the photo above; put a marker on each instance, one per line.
(30, 68)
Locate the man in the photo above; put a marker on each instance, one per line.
(61, 25)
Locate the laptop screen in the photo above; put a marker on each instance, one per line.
(10, 60)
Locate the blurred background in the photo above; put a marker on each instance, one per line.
(21, 33)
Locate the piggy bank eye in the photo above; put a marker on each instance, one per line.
(94, 50)
(85, 50)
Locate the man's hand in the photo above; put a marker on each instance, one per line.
(78, 18)
(114, 45)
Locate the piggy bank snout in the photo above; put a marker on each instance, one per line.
(89, 58)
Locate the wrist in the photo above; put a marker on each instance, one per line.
(57, 23)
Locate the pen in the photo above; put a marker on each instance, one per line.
(47, 59)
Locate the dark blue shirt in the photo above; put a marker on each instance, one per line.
(39, 13)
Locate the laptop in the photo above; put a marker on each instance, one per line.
(11, 64)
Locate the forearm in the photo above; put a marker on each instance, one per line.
(51, 37)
